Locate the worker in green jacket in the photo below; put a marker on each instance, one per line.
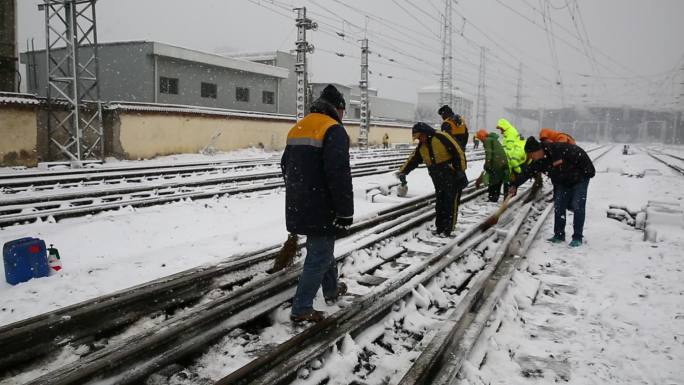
(495, 167)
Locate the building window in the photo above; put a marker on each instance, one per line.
(209, 90)
(242, 94)
(168, 85)
(268, 97)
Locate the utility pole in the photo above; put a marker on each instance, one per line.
(364, 123)
(8, 46)
(481, 117)
(73, 90)
(303, 47)
(446, 91)
(518, 96)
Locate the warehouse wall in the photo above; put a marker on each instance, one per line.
(18, 133)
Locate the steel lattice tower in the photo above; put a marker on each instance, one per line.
(481, 118)
(73, 91)
(446, 85)
(364, 123)
(303, 47)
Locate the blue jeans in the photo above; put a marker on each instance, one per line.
(320, 269)
(574, 198)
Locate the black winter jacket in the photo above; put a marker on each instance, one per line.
(315, 165)
(566, 164)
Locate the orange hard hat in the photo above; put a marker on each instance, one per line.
(481, 134)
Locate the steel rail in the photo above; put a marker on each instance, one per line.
(158, 345)
(280, 365)
(154, 196)
(43, 333)
(441, 360)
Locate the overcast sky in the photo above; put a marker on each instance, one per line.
(636, 44)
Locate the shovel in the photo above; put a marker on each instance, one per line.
(494, 218)
(286, 254)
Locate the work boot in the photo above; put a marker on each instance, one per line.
(576, 243)
(556, 239)
(341, 290)
(312, 316)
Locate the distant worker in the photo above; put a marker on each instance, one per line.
(476, 142)
(549, 135)
(319, 200)
(385, 141)
(495, 166)
(446, 164)
(570, 169)
(454, 125)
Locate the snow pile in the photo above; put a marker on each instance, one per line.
(609, 312)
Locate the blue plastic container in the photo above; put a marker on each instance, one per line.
(25, 258)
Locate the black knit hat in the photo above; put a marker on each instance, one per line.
(422, 128)
(445, 110)
(532, 144)
(331, 95)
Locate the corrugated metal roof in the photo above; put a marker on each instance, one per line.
(183, 109)
(219, 61)
(19, 99)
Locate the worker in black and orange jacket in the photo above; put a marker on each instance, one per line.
(319, 199)
(454, 125)
(446, 164)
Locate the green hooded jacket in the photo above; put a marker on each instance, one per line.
(513, 145)
(496, 161)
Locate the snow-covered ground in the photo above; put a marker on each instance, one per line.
(610, 312)
(115, 250)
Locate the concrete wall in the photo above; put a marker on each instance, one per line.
(137, 135)
(18, 134)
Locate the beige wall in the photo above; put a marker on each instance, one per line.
(134, 135)
(18, 134)
(145, 135)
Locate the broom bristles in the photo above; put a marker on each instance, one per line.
(287, 253)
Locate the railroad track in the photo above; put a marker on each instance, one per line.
(232, 305)
(660, 159)
(73, 178)
(78, 203)
(240, 283)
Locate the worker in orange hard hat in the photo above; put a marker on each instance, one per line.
(549, 135)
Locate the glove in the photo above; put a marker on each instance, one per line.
(402, 177)
(512, 191)
(343, 223)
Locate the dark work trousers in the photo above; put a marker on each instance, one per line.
(320, 270)
(494, 190)
(448, 187)
(572, 197)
